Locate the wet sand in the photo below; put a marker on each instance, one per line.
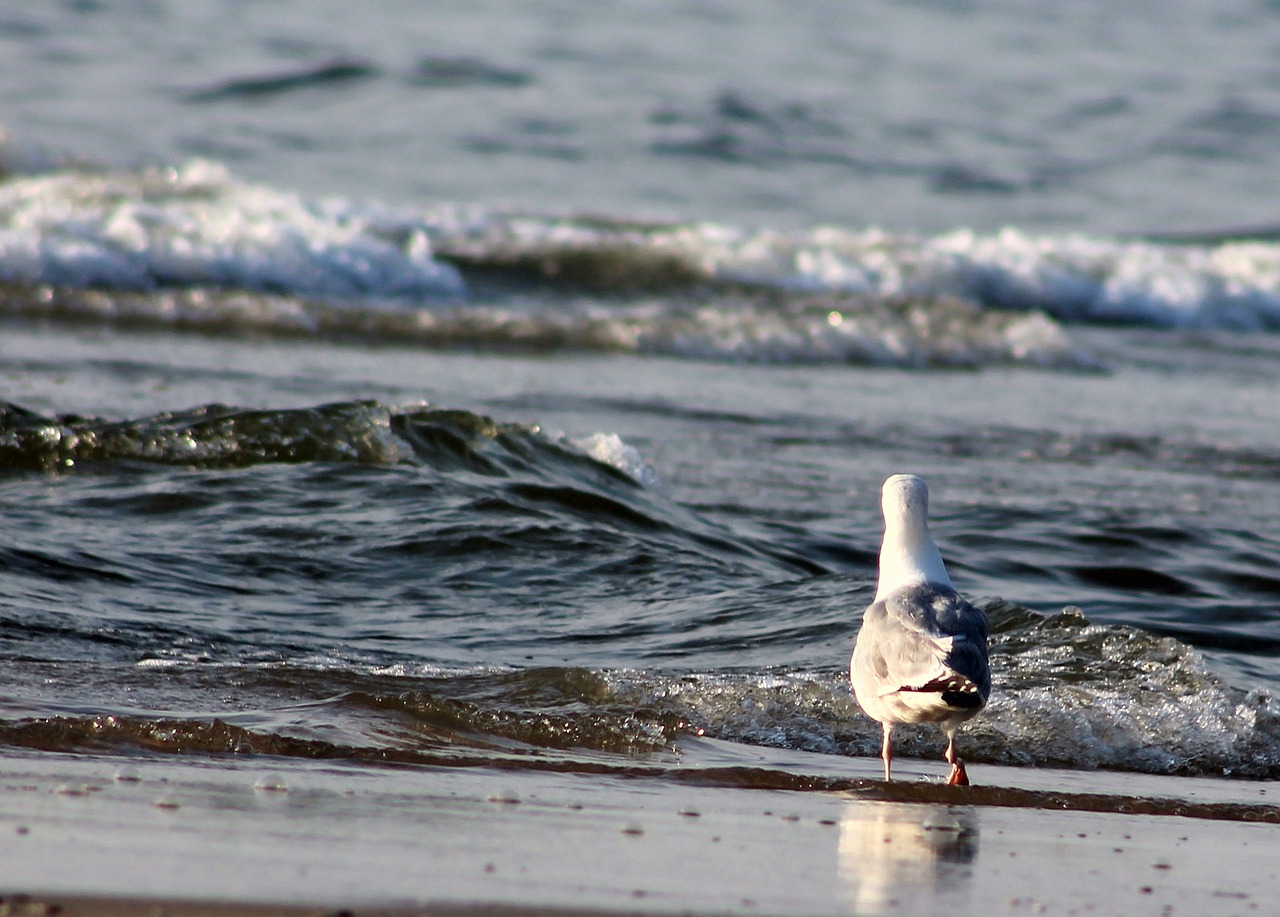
(107, 835)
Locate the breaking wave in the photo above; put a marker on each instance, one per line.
(194, 248)
(1069, 694)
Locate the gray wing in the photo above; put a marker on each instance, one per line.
(924, 639)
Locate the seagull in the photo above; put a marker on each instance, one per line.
(921, 653)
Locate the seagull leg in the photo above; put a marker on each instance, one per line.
(886, 748)
(958, 776)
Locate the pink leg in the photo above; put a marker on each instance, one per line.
(886, 748)
(958, 776)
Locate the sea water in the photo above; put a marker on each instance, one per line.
(450, 385)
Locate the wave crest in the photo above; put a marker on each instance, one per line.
(196, 226)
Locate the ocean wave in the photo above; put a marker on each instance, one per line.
(364, 432)
(341, 70)
(742, 327)
(196, 226)
(1232, 284)
(1070, 694)
(209, 436)
(193, 248)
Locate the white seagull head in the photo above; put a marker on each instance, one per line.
(908, 555)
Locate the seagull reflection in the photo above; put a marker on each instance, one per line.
(903, 857)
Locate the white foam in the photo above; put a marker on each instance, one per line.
(197, 226)
(610, 449)
(1234, 285)
(918, 333)
(1076, 277)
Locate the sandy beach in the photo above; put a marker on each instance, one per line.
(105, 836)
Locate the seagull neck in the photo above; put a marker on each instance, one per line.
(909, 557)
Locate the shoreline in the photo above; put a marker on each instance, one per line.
(102, 836)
